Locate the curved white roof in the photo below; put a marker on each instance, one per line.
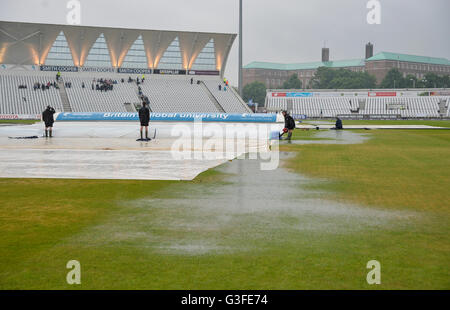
(30, 43)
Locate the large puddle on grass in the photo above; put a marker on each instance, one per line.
(334, 137)
(249, 210)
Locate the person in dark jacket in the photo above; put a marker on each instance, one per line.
(47, 117)
(289, 125)
(338, 124)
(144, 117)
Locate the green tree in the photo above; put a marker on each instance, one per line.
(420, 84)
(432, 80)
(446, 81)
(322, 78)
(329, 78)
(292, 83)
(393, 79)
(411, 81)
(255, 91)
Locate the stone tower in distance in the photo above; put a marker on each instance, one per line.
(369, 50)
(325, 54)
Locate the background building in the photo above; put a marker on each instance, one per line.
(273, 75)
(23, 44)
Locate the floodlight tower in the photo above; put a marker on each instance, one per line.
(240, 50)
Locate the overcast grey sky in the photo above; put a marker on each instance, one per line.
(276, 31)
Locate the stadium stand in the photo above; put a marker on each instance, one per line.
(26, 100)
(327, 107)
(165, 93)
(228, 99)
(176, 94)
(92, 100)
(446, 107)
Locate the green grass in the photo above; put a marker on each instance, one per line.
(17, 121)
(396, 168)
(45, 223)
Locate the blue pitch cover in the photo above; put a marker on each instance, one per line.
(169, 117)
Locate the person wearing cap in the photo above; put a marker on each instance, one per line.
(144, 118)
(289, 125)
(47, 117)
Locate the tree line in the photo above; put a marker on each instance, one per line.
(395, 79)
(327, 78)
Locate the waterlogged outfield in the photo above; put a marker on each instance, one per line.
(437, 123)
(132, 234)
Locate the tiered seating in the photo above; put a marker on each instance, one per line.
(333, 106)
(414, 106)
(318, 107)
(379, 106)
(165, 93)
(448, 106)
(176, 94)
(12, 98)
(330, 107)
(422, 107)
(277, 104)
(227, 99)
(88, 100)
(354, 104)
